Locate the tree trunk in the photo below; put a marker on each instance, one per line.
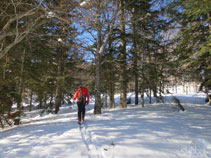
(97, 109)
(30, 104)
(196, 87)
(111, 95)
(142, 99)
(98, 106)
(5, 67)
(59, 84)
(106, 100)
(154, 89)
(50, 103)
(150, 96)
(183, 87)
(160, 89)
(136, 90)
(186, 89)
(135, 66)
(58, 98)
(142, 95)
(111, 84)
(123, 63)
(20, 91)
(40, 99)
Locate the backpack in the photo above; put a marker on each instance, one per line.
(81, 96)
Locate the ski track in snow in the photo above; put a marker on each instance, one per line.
(88, 140)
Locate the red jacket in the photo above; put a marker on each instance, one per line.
(84, 93)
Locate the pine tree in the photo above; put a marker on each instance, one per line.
(193, 48)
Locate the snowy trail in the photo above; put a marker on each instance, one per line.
(87, 137)
(41, 141)
(155, 131)
(50, 137)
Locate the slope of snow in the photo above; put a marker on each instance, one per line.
(155, 131)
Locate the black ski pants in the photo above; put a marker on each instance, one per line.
(81, 110)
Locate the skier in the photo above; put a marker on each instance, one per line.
(83, 99)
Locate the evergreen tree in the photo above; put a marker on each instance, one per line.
(193, 42)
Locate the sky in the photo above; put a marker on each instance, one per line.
(158, 130)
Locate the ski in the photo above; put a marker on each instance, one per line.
(81, 124)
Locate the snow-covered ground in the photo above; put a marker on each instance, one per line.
(156, 131)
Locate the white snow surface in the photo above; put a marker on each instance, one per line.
(157, 130)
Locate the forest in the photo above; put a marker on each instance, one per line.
(48, 48)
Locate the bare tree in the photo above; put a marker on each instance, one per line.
(18, 19)
(95, 17)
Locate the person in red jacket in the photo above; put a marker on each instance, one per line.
(82, 97)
